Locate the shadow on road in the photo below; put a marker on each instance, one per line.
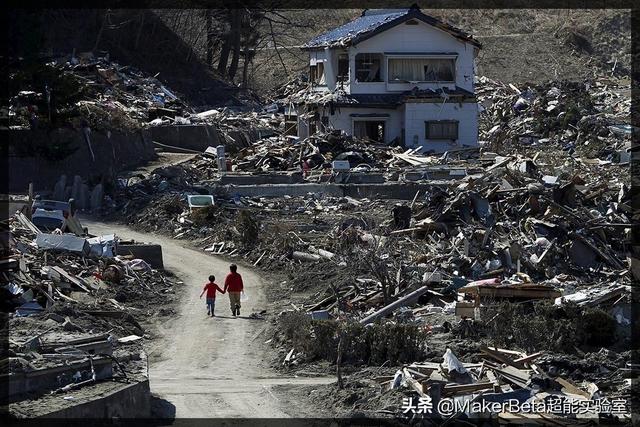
(163, 412)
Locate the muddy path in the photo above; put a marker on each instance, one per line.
(204, 367)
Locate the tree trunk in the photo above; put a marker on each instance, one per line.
(236, 24)
(104, 22)
(339, 362)
(209, 26)
(224, 52)
(245, 67)
(140, 29)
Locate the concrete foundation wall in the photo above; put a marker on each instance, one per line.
(199, 137)
(192, 137)
(40, 381)
(31, 152)
(399, 191)
(130, 401)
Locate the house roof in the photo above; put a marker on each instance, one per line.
(373, 22)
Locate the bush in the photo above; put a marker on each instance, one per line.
(545, 326)
(371, 345)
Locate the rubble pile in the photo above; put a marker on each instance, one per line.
(228, 120)
(524, 245)
(591, 118)
(318, 151)
(495, 378)
(73, 306)
(88, 91)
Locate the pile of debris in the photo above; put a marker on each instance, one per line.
(317, 151)
(227, 120)
(591, 118)
(512, 232)
(73, 305)
(504, 379)
(88, 91)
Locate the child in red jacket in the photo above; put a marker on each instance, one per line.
(211, 288)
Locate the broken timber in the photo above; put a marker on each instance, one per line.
(395, 305)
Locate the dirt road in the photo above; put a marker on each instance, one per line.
(212, 367)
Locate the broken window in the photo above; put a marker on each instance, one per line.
(421, 70)
(441, 129)
(316, 74)
(368, 67)
(369, 129)
(343, 67)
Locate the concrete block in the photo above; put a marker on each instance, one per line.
(59, 190)
(84, 197)
(96, 197)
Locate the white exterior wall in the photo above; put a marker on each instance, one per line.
(416, 114)
(343, 121)
(421, 38)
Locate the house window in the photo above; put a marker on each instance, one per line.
(403, 70)
(368, 67)
(316, 74)
(343, 67)
(369, 129)
(441, 129)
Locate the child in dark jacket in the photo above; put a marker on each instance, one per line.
(211, 288)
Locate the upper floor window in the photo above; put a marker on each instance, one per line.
(368, 67)
(403, 70)
(316, 74)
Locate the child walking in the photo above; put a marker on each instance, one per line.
(211, 288)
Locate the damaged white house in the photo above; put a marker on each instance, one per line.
(393, 76)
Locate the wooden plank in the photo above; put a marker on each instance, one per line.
(500, 357)
(497, 165)
(529, 358)
(72, 279)
(413, 383)
(467, 388)
(419, 374)
(572, 388)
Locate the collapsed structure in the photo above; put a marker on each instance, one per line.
(515, 259)
(74, 305)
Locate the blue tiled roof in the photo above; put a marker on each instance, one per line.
(373, 21)
(358, 26)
